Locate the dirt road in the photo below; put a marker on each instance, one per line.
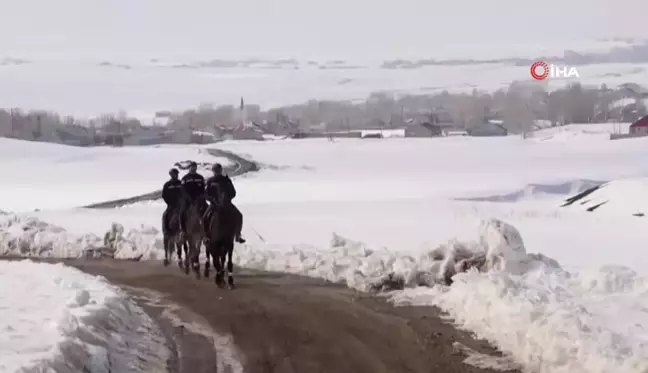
(284, 323)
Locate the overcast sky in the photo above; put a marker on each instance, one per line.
(305, 28)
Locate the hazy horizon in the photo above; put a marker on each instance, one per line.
(349, 29)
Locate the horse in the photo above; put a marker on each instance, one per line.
(195, 234)
(223, 226)
(172, 236)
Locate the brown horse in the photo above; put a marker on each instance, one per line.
(172, 236)
(195, 234)
(223, 226)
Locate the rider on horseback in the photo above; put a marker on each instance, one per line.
(172, 195)
(220, 191)
(193, 185)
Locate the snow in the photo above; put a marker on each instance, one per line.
(622, 197)
(574, 131)
(84, 175)
(54, 316)
(564, 290)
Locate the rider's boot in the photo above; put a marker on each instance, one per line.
(239, 238)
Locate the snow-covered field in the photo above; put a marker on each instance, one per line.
(44, 176)
(392, 202)
(58, 319)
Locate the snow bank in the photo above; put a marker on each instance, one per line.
(30, 237)
(51, 176)
(345, 260)
(64, 320)
(364, 268)
(618, 197)
(546, 317)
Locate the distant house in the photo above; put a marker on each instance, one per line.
(640, 127)
(540, 124)
(203, 137)
(321, 127)
(247, 131)
(73, 135)
(423, 129)
(149, 136)
(446, 123)
(371, 135)
(488, 128)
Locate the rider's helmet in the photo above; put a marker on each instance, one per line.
(217, 167)
(174, 172)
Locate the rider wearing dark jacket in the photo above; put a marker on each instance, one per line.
(193, 185)
(221, 186)
(172, 195)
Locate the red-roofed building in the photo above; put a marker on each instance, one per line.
(640, 127)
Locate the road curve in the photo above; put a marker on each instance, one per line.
(238, 167)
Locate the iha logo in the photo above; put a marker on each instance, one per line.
(540, 70)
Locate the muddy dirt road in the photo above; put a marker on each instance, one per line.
(286, 323)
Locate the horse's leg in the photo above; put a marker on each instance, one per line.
(167, 248)
(178, 246)
(195, 257)
(218, 262)
(207, 256)
(229, 250)
(187, 259)
(185, 248)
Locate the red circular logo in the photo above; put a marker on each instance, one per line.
(539, 65)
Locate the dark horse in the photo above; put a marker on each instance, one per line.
(194, 237)
(224, 223)
(172, 236)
